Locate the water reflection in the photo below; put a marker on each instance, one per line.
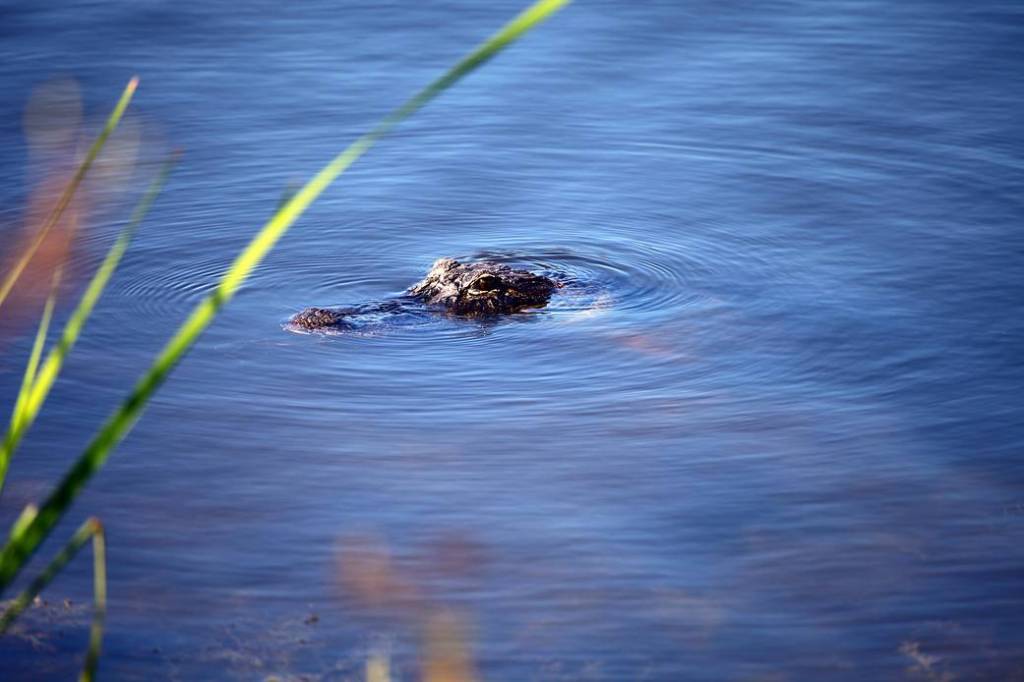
(43, 255)
(369, 578)
(773, 433)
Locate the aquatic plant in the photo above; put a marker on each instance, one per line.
(38, 380)
(16, 270)
(91, 530)
(35, 524)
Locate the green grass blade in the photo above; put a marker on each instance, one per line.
(84, 533)
(31, 367)
(287, 195)
(69, 192)
(22, 545)
(31, 401)
(99, 590)
(92, 529)
(25, 518)
(25, 390)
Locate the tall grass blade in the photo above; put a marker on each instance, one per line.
(99, 591)
(69, 192)
(31, 402)
(32, 366)
(24, 518)
(24, 391)
(85, 532)
(22, 545)
(92, 529)
(289, 192)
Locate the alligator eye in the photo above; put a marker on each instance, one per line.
(486, 283)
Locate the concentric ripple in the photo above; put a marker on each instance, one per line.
(164, 290)
(623, 282)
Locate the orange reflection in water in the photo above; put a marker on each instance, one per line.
(35, 260)
(368, 574)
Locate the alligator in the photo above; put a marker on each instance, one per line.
(471, 290)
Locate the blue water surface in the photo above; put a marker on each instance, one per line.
(775, 433)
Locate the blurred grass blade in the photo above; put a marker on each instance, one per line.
(25, 518)
(23, 544)
(287, 195)
(18, 413)
(33, 363)
(92, 529)
(31, 402)
(99, 591)
(87, 531)
(69, 192)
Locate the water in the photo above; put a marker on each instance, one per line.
(777, 435)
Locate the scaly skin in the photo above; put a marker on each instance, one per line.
(482, 289)
(464, 289)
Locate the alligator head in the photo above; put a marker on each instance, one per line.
(482, 289)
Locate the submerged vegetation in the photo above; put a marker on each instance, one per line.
(35, 524)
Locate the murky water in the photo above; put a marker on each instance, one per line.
(774, 434)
